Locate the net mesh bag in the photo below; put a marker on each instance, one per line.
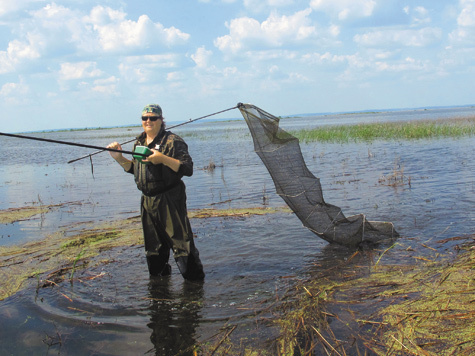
(301, 190)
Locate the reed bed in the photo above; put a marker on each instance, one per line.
(411, 130)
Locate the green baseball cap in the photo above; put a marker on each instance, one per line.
(152, 108)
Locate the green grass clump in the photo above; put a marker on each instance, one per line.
(90, 239)
(413, 130)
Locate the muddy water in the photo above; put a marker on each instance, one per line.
(250, 262)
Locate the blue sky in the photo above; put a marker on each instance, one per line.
(82, 63)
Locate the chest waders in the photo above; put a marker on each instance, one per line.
(164, 213)
(166, 227)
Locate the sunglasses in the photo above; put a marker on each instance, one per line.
(151, 118)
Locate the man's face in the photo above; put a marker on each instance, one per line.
(151, 126)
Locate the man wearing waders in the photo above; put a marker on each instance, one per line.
(163, 205)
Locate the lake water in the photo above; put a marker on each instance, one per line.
(249, 262)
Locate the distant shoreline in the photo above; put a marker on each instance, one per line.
(343, 113)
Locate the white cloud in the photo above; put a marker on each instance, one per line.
(6, 63)
(419, 14)
(106, 86)
(175, 76)
(8, 6)
(325, 58)
(118, 34)
(280, 2)
(16, 52)
(103, 29)
(465, 32)
(101, 15)
(80, 70)
(407, 64)
(276, 31)
(56, 26)
(201, 57)
(54, 30)
(271, 55)
(364, 68)
(345, 9)
(467, 15)
(148, 68)
(410, 38)
(263, 5)
(115, 33)
(14, 93)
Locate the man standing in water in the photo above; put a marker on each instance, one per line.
(163, 205)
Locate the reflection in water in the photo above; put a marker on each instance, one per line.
(174, 316)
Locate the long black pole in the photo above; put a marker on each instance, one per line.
(99, 151)
(171, 127)
(72, 144)
(102, 149)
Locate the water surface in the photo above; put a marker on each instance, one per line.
(250, 262)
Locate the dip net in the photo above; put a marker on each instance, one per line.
(301, 190)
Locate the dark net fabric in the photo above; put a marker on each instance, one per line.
(301, 190)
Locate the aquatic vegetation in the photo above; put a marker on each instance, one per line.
(215, 213)
(88, 239)
(404, 309)
(422, 309)
(211, 166)
(396, 177)
(10, 216)
(51, 259)
(412, 130)
(439, 319)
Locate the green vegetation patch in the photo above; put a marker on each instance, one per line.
(90, 239)
(411, 130)
(221, 213)
(10, 216)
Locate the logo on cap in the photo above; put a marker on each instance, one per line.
(152, 108)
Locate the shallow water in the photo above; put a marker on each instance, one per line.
(250, 262)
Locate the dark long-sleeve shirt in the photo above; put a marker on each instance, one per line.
(155, 179)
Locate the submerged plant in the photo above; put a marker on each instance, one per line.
(78, 257)
(397, 177)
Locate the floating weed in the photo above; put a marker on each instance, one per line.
(397, 177)
(440, 320)
(211, 166)
(422, 309)
(90, 239)
(229, 213)
(10, 216)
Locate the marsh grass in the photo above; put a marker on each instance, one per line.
(405, 309)
(412, 130)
